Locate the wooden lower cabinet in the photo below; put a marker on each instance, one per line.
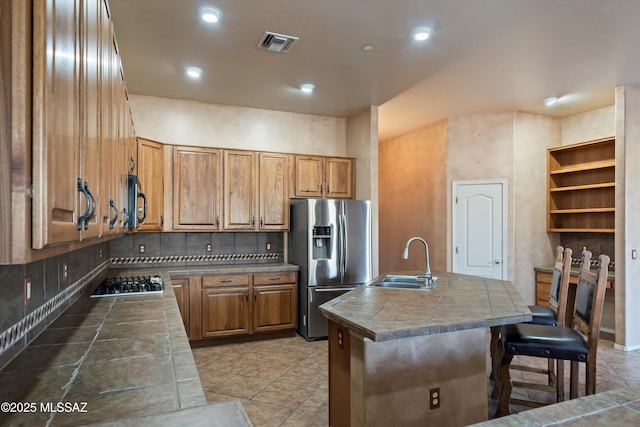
(274, 302)
(181, 291)
(229, 305)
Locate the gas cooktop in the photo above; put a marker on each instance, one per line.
(123, 286)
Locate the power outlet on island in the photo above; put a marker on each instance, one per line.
(434, 398)
(142, 249)
(208, 247)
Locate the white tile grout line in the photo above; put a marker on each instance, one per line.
(14, 333)
(192, 258)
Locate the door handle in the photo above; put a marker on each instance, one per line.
(496, 261)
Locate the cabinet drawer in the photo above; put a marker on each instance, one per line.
(274, 278)
(225, 280)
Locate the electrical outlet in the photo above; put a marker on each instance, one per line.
(142, 249)
(27, 290)
(268, 246)
(340, 338)
(65, 270)
(100, 254)
(434, 398)
(208, 247)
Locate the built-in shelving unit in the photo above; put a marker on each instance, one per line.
(582, 187)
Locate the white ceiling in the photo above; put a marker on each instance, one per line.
(485, 56)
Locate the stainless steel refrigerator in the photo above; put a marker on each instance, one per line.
(330, 240)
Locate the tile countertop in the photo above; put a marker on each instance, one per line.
(618, 407)
(456, 302)
(124, 357)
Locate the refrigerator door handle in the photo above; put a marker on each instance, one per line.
(310, 296)
(335, 289)
(344, 245)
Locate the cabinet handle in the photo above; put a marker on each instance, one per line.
(255, 295)
(83, 190)
(144, 207)
(226, 281)
(274, 278)
(328, 190)
(253, 221)
(320, 189)
(125, 218)
(247, 295)
(93, 206)
(161, 220)
(132, 165)
(261, 222)
(115, 212)
(217, 221)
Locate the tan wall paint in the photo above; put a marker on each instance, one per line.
(180, 122)
(596, 124)
(362, 143)
(412, 176)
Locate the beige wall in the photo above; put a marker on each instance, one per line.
(413, 188)
(180, 122)
(362, 143)
(627, 235)
(588, 126)
(532, 245)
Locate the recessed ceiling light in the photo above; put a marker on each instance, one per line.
(307, 87)
(209, 14)
(367, 47)
(193, 72)
(421, 33)
(550, 101)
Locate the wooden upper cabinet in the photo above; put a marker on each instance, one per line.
(150, 178)
(309, 176)
(240, 190)
(274, 191)
(339, 178)
(330, 177)
(197, 182)
(57, 204)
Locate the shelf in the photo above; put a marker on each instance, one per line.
(584, 187)
(581, 211)
(581, 187)
(584, 167)
(582, 230)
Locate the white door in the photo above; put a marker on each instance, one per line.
(479, 228)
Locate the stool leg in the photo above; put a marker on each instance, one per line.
(495, 360)
(560, 381)
(573, 388)
(505, 386)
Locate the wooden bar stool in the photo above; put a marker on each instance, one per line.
(559, 342)
(542, 315)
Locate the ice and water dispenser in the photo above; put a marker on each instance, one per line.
(322, 242)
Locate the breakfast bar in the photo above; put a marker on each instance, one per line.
(415, 356)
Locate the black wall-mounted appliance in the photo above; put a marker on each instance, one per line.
(134, 209)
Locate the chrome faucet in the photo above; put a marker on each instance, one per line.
(405, 255)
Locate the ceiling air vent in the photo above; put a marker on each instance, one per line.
(277, 42)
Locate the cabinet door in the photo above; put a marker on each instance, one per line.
(274, 307)
(150, 175)
(339, 178)
(91, 111)
(197, 180)
(225, 311)
(181, 291)
(309, 174)
(57, 204)
(109, 193)
(239, 190)
(274, 192)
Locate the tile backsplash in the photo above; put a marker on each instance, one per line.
(184, 249)
(51, 293)
(597, 243)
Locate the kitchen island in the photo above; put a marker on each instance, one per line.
(415, 356)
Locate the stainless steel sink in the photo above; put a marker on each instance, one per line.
(399, 285)
(404, 281)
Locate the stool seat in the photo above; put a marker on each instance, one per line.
(543, 315)
(554, 342)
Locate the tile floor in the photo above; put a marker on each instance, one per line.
(284, 381)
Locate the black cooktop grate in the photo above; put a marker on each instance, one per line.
(122, 286)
